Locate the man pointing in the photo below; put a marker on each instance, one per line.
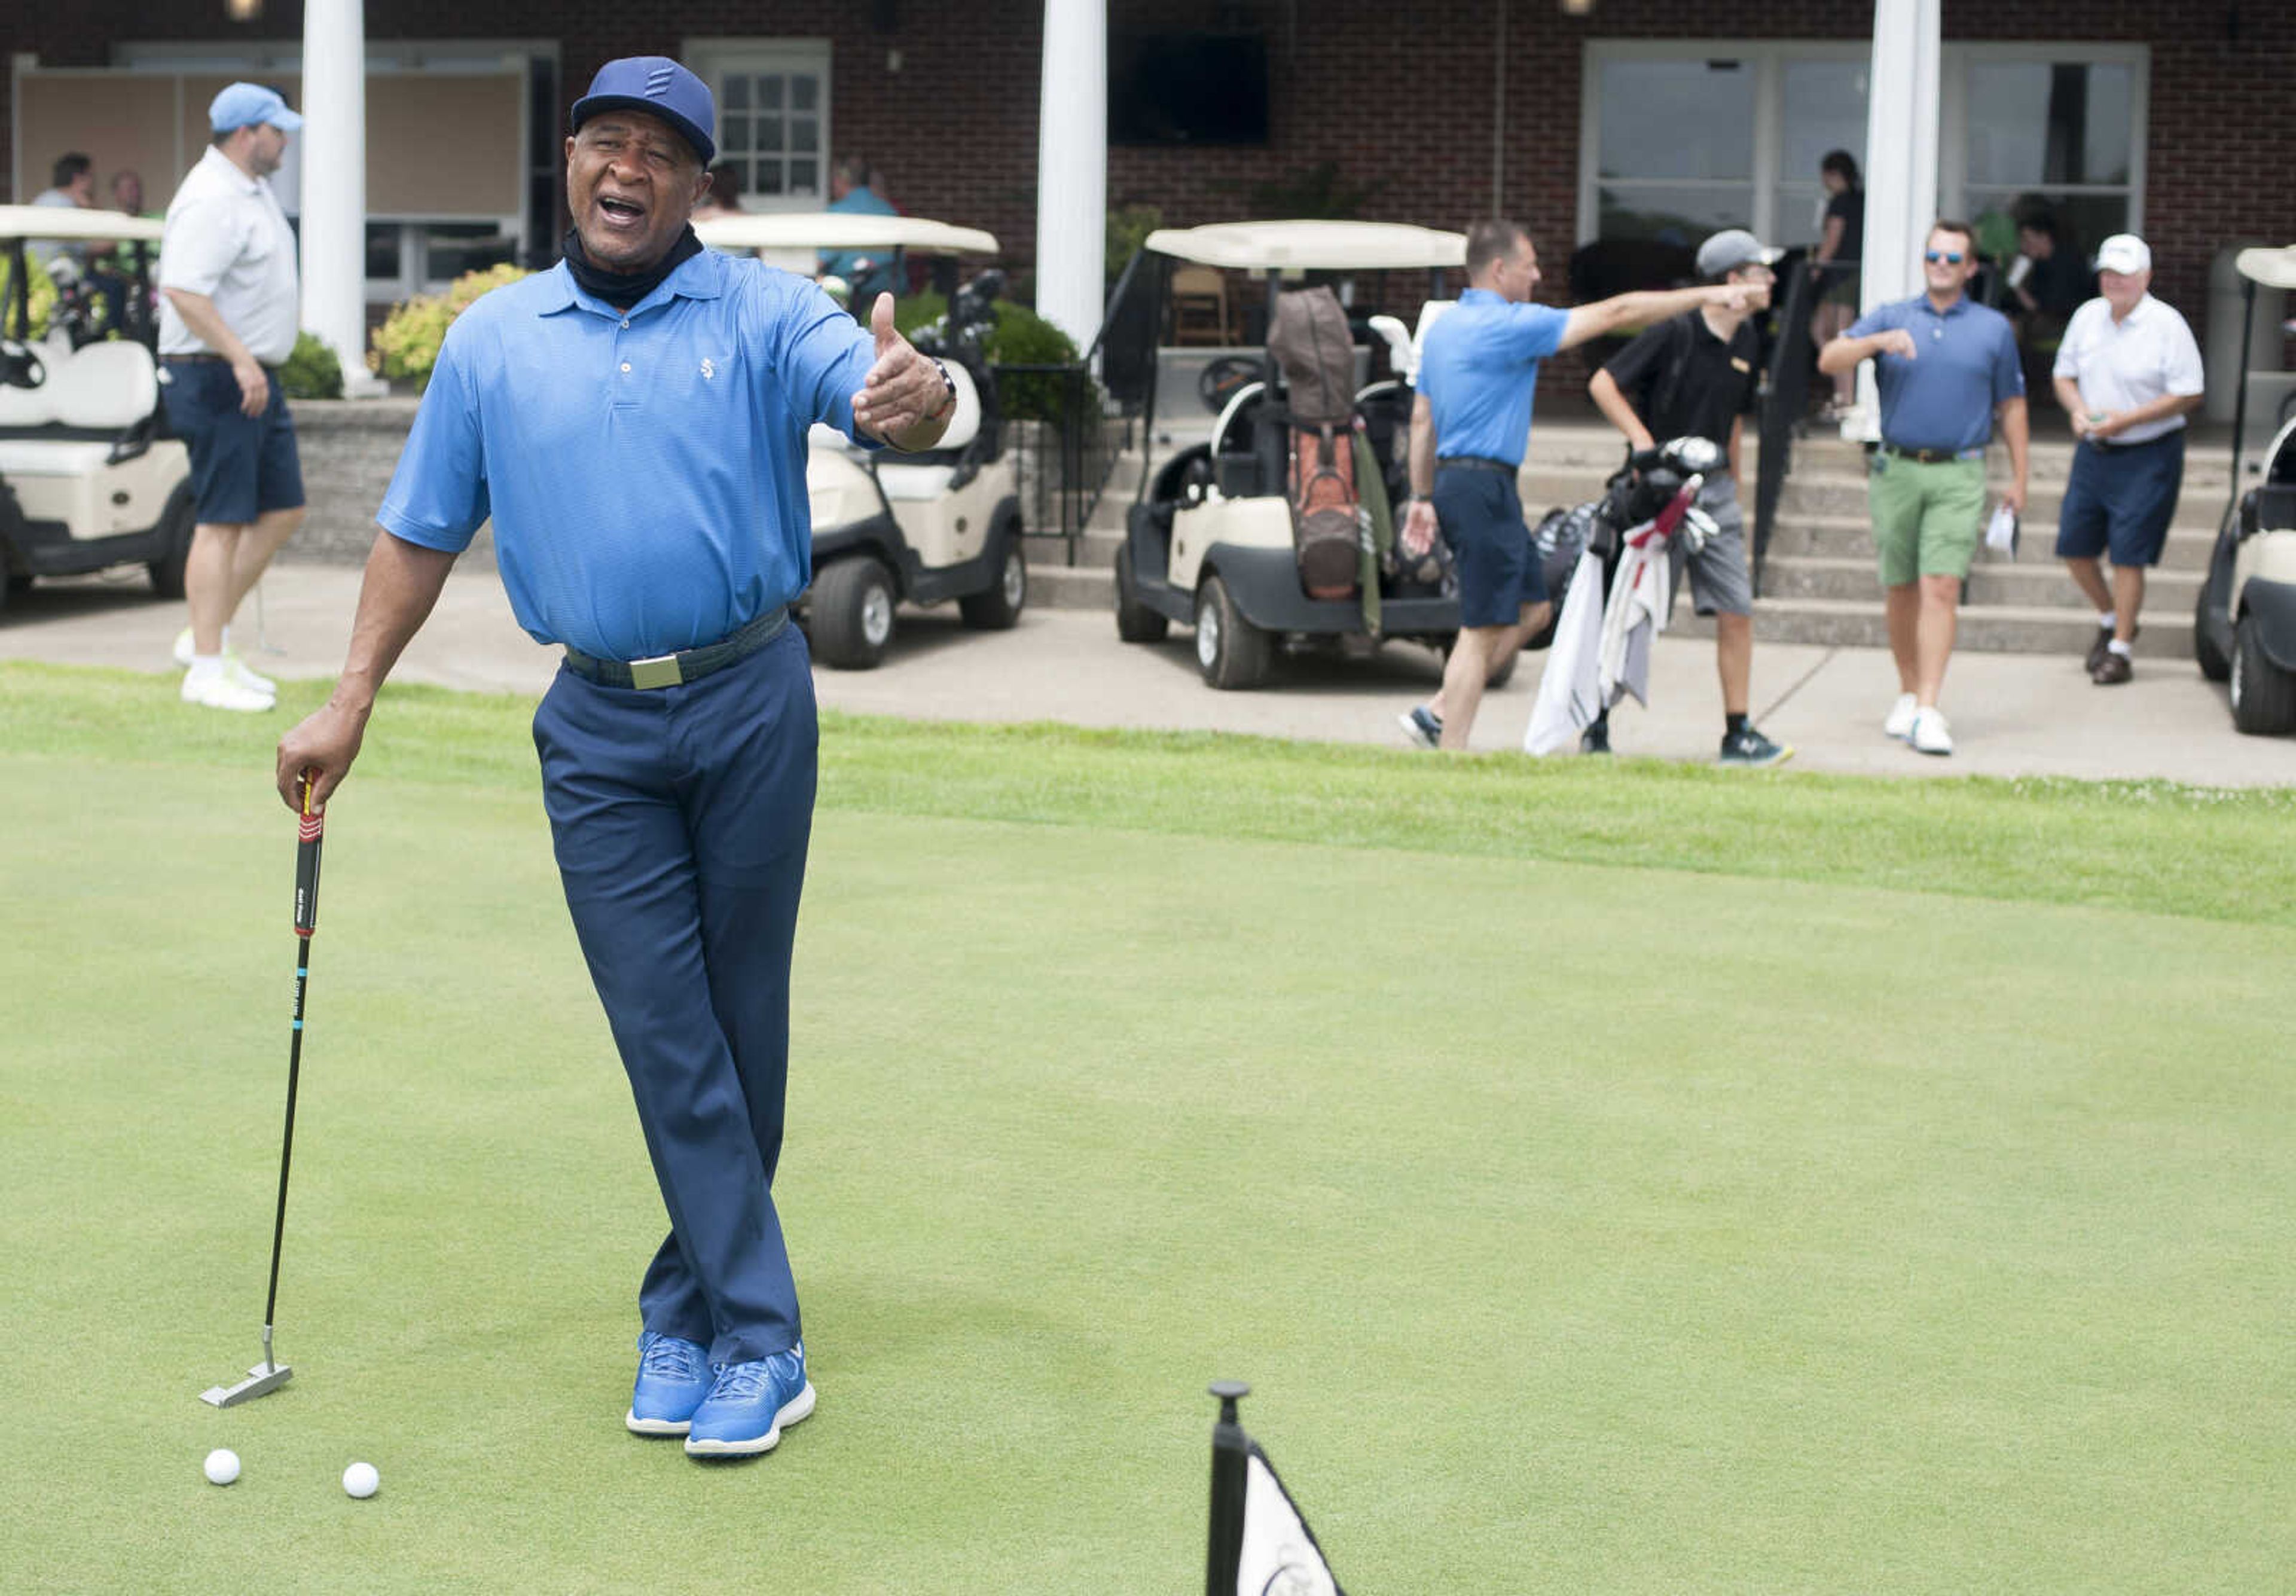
(633, 420)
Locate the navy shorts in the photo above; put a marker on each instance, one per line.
(1481, 516)
(2121, 500)
(243, 467)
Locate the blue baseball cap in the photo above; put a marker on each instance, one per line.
(244, 104)
(657, 85)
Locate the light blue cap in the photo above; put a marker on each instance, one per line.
(242, 104)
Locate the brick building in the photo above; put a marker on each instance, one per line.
(2172, 116)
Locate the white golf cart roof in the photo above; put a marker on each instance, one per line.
(59, 221)
(1312, 245)
(2274, 269)
(842, 230)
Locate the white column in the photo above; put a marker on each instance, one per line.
(334, 139)
(1072, 167)
(1901, 167)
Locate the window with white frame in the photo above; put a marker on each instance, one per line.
(773, 117)
(1681, 137)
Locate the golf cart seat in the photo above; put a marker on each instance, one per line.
(99, 389)
(904, 479)
(1247, 458)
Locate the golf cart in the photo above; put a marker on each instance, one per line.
(86, 481)
(1219, 538)
(2245, 624)
(890, 527)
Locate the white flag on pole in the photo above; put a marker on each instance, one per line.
(1280, 1554)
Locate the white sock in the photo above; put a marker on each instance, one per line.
(206, 664)
(2118, 647)
(2105, 618)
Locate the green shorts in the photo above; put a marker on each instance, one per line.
(1926, 518)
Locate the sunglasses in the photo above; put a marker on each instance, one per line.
(1949, 256)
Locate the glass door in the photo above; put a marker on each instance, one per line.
(1822, 109)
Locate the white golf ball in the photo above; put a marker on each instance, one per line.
(360, 1480)
(222, 1466)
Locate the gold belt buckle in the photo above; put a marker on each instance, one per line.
(660, 671)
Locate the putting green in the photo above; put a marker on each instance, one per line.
(1580, 1227)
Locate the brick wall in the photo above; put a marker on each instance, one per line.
(1401, 97)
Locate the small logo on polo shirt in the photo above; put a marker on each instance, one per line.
(708, 370)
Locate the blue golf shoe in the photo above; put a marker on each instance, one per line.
(749, 1405)
(673, 1377)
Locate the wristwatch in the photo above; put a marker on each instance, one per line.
(948, 399)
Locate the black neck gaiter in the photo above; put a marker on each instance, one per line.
(622, 290)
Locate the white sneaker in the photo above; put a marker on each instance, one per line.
(1900, 722)
(183, 646)
(236, 670)
(1930, 735)
(212, 687)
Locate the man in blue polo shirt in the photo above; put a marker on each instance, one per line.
(1468, 428)
(1948, 369)
(634, 422)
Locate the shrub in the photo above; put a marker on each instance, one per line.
(312, 371)
(43, 301)
(1128, 227)
(406, 344)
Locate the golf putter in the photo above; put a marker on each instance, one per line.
(269, 1375)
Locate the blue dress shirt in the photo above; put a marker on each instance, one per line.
(1944, 398)
(646, 470)
(1478, 369)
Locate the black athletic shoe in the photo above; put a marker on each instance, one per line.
(1595, 738)
(1749, 748)
(1422, 725)
(2099, 649)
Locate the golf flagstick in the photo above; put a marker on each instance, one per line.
(269, 1375)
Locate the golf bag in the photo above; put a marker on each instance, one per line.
(1311, 342)
(1636, 493)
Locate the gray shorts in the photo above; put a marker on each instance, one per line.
(1719, 583)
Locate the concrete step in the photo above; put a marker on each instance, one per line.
(2026, 584)
(1095, 550)
(1072, 587)
(1842, 494)
(1991, 629)
(1847, 537)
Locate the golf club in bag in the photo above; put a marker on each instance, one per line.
(269, 1375)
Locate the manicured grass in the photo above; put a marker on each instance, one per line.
(1610, 1180)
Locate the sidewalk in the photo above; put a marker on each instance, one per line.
(2013, 714)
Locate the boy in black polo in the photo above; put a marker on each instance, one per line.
(1694, 375)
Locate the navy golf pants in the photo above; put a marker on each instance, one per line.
(680, 815)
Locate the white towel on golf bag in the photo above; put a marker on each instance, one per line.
(1569, 699)
(1642, 602)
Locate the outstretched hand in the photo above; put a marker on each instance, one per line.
(903, 387)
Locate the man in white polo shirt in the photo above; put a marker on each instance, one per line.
(2127, 371)
(228, 318)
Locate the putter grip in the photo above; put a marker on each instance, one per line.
(307, 873)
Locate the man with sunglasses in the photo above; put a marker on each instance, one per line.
(1948, 369)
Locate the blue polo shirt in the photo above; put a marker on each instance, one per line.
(1944, 398)
(1478, 369)
(646, 470)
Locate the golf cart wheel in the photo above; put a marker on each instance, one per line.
(852, 613)
(1000, 607)
(2263, 695)
(174, 544)
(1231, 653)
(2214, 665)
(1135, 622)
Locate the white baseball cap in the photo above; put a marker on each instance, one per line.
(2124, 252)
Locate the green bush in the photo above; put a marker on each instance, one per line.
(406, 344)
(312, 371)
(1021, 338)
(1128, 227)
(43, 300)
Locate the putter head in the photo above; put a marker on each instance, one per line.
(261, 1380)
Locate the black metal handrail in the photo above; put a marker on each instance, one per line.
(1786, 399)
(1058, 495)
